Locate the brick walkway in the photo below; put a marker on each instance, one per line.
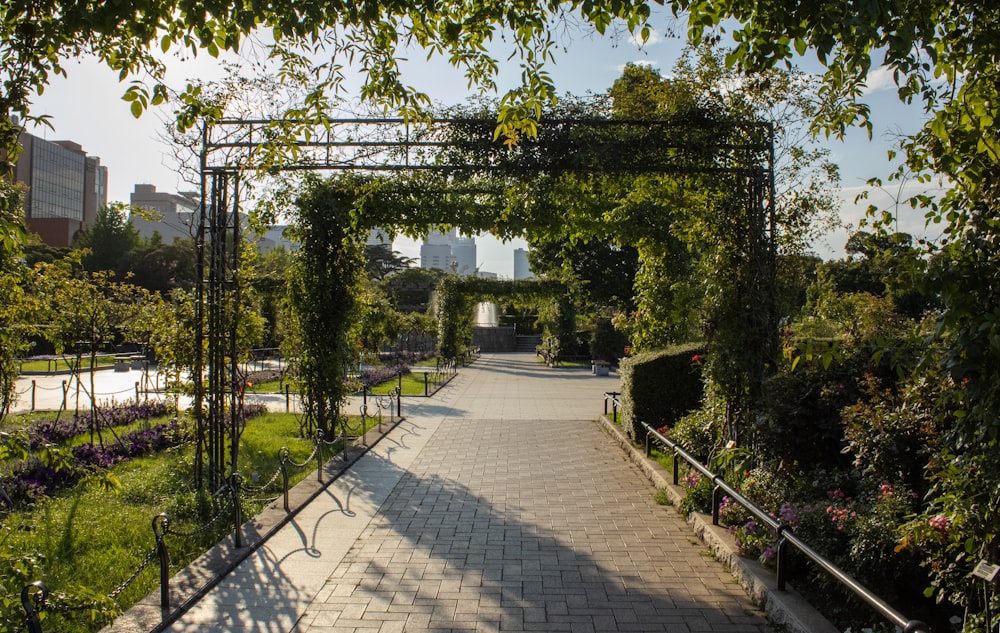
(498, 506)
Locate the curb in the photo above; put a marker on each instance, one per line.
(786, 609)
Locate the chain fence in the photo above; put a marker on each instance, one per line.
(229, 501)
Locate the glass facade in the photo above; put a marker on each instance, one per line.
(57, 183)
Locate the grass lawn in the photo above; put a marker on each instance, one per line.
(65, 363)
(93, 538)
(412, 384)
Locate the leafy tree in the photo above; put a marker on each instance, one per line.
(109, 239)
(160, 267)
(38, 37)
(381, 261)
(378, 321)
(606, 271)
(885, 265)
(413, 287)
(82, 311)
(268, 278)
(14, 326)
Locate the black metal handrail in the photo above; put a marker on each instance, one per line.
(783, 532)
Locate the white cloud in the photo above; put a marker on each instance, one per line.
(880, 79)
(653, 39)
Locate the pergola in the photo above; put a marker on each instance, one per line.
(237, 149)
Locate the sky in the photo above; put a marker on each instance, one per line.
(86, 107)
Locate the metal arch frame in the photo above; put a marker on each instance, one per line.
(234, 147)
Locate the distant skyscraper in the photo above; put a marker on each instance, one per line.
(379, 236)
(448, 251)
(65, 188)
(522, 269)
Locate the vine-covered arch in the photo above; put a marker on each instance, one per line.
(408, 177)
(455, 293)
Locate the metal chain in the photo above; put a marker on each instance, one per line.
(122, 587)
(262, 488)
(203, 528)
(43, 388)
(307, 460)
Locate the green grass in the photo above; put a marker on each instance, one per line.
(272, 386)
(87, 537)
(412, 384)
(65, 363)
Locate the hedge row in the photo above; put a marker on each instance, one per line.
(659, 387)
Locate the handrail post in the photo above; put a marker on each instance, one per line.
(781, 561)
(677, 471)
(30, 612)
(715, 502)
(425, 384)
(160, 524)
(649, 443)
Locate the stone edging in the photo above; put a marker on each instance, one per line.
(784, 608)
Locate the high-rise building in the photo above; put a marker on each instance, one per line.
(522, 269)
(169, 214)
(448, 251)
(65, 188)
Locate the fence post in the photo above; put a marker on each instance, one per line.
(30, 612)
(319, 455)
(137, 392)
(288, 397)
(399, 402)
(425, 384)
(65, 391)
(164, 556)
(234, 489)
(283, 453)
(32, 395)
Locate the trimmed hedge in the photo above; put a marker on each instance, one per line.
(659, 387)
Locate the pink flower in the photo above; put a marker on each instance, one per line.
(696, 358)
(941, 523)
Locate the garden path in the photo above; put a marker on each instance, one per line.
(497, 505)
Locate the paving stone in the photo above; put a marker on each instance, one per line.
(502, 506)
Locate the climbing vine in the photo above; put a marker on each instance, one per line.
(323, 286)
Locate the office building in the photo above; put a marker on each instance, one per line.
(65, 188)
(170, 215)
(448, 251)
(522, 269)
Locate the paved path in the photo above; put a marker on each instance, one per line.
(498, 505)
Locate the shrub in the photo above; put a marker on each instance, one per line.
(607, 343)
(697, 432)
(376, 376)
(660, 387)
(699, 493)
